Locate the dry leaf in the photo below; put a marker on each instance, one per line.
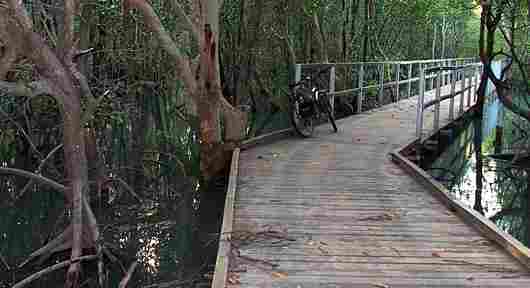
(279, 275)
(380, 285)
(233, 279)
(436, 254)
(470, 278)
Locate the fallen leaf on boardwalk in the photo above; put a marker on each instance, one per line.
(470, 278)
(436, 254)
(323, 243)
(387, 216)
(380, 285)
(279, 275)
(323, 250)
(233, 279)
(366, 253)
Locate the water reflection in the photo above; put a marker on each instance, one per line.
(155, 233)
(494, 181)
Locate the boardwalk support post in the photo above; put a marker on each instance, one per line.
(439, 79)
(452, 77)
(410, 81)
(398, 71)
(361, 96)
(462, 95)
(332, 89)
(381, 85)
(470, 87)
(298, 72)
(475, 80)
(419, 111)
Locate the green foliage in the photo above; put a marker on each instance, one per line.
(372, 91)
(7, 145)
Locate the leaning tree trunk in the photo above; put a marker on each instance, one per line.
(59, 75)
(203, 84)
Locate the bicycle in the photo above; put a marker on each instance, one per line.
(307, 103)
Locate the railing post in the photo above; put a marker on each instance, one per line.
(398, 71)
(332, 89)
(470, 89)
(361, 96)
(419, 110)
(475, 83)
(447, 77)
(439, 79)
(298, 72)
(453, 89)
(410, 81)
(381, 85)
(462, 94)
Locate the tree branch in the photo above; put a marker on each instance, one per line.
(36, 177)
(52, 268)
(125, 280)
(153, 23)
(39, 169)
(32, 89)
(194, 28)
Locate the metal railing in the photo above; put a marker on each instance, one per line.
(401, 79)
(371, 75)
(468, 73)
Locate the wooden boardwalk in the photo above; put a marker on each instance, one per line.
(335, 211)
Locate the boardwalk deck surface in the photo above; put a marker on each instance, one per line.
(334, 211)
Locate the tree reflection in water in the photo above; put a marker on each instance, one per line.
(495, 181)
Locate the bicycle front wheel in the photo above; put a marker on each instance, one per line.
(302, 125)
(332, 119)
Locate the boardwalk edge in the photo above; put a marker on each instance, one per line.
(223, 253)
(472, 217)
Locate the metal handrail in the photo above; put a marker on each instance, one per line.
(361, 87)
(421, 105)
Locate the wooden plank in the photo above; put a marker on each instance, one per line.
(488, 228)
(222, 262)
(393, 279)
(478, 260)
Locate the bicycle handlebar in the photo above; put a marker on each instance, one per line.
(320, 71)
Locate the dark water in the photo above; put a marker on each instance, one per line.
(173, 241)
(504, 197)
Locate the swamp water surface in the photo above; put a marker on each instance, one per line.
(505, 194)
(174, 243)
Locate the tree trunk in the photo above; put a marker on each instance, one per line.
(365, 31)
(321, 39)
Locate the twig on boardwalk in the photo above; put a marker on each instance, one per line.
(489, 267)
